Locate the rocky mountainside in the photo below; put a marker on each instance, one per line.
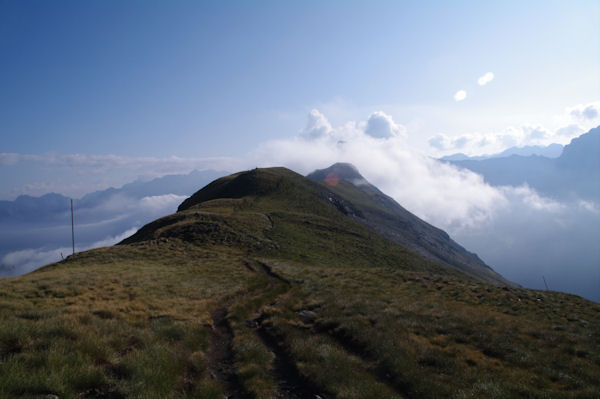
(582, 155)
(366, 204)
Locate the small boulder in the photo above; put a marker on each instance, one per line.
(307, 316)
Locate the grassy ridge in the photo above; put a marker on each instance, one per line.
(279, 295)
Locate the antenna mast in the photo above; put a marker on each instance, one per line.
(72, 227)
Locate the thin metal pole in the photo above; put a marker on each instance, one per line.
(545, 283)
(72, 227)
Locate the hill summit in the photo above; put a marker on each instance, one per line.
(341, 187)
(267, 284)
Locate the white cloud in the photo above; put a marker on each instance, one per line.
(159, 203)
(536, 134)
(94, 227)
(112, 240)
(462, 141)
(443, 142)
(585, 112)
(460, 95)
(572, 130)
(531, 236)
(479, 143)
(572, 123)
(485, 79)
(527, 196)
(381, 125)
(120, 204)
(27, 260)
(439, 141)
(317, 126)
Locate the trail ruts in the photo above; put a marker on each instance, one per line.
(292, 385)
(269, 272)
(220, 356)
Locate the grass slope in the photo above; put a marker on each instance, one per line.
(277, 294)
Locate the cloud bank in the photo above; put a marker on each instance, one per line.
(575, 121)
(532, 238)
(24, 261)
(114, 220)
(586, 112)
(436, 191)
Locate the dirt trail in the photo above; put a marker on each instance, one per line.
(220, 356)
(291, 383)
(221, 365)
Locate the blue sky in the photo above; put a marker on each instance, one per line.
(197, 79)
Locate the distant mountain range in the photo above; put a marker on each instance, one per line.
(551, 151)
(574, 174)
(36, 230)
(52, 207)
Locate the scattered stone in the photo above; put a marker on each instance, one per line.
(108, 391)
(307, 316)
(252, 323)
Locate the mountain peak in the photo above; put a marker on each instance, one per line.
(341, 170)
(251, 182)
(582, 153)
